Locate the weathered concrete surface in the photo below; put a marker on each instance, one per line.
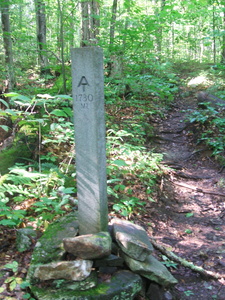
(70, 270)
(132, 239)
(89, 246)
(124, 285)
(152, 269)
(89, 118)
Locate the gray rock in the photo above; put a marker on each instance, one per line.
(154, 292)
(124, 285)
(109, 261)
(50, 246)
(168, 296)
(204, 97)
(24, 238)
(86, 284)
(108, 270)
(71, 270)
(132, 239)
(89, 246)
(152, 269)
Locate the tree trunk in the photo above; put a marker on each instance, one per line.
(61, 39)
(90, 23)
(7, 40)
(112, 36)
(214, 38)
(159, 33)
(41, 36)
(223, 41)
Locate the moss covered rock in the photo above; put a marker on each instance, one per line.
(123, 285)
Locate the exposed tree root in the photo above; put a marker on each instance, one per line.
(185, 263)
(190, 176)
(194, 188)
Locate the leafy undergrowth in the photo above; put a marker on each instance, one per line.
(41, 186)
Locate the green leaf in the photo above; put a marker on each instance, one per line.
(12, 285)
(117, 207)
(67, 190)
(188, 215)
(64, 97)
(13, 266)
(68, 111)
(119, 163)
(4, 127)
(18, 97)
(4, 102)
(7, 222)
(58, 113)
(26, 296)
(24, 285)
(11, 112)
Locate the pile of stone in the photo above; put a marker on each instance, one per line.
(109, 265)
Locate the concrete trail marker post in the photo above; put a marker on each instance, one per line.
(89, 120)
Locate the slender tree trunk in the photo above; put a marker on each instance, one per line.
(112, 23)
(159, 34)
(214, 38)
(112, 35)
(7, 40)
(61, 38)
(90, 22)
(41, 36)
(223, 41)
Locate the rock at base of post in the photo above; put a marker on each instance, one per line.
(123, 285)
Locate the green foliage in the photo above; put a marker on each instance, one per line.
(45, 180)
(127, 207)
(130, 164)
(188, 293)
(12, 282)
(21, 185)
(211, 123)
(169, 263)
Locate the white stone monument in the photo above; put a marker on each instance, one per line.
(89, 120)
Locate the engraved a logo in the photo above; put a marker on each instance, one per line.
(83, 82)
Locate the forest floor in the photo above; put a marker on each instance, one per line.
(189, 216)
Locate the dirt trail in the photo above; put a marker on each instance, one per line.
(189, 217)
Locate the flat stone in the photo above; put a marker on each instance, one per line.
(89, 246)
(152, 269)
(24, 238)
(49, 247)
(71, 270)
(132, 239)
(109, 261)
(86, 284)
(124, 285)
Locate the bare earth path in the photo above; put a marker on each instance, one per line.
(189, 217)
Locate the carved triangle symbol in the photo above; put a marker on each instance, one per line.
(83, 82)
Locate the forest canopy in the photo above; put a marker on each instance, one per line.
(134, 34)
